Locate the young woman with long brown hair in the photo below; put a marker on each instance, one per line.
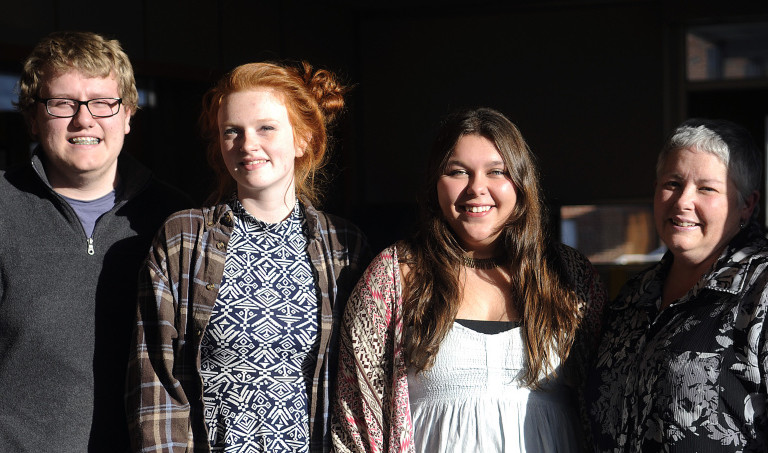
(473, 335)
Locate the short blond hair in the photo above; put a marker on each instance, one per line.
(86, 52)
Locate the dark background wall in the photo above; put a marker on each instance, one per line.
(593, 85)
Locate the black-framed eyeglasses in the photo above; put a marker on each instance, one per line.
(67, 108)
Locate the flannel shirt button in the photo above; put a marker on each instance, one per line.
(220, 245)
(210, 286)
(199, 332)
(210, 223)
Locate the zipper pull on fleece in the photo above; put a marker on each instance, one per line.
(90, 246)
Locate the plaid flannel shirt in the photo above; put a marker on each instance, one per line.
(178, 287)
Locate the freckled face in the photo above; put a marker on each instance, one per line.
(696, 206)
(257, 144)
(81, 146)
(476, 194)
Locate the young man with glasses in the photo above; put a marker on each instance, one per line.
(75, 224)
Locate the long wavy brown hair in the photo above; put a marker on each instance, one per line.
(432, 289)
(313, 99)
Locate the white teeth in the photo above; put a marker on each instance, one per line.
(253, 162)
(478, 208)
(84, 141)
(684, 224)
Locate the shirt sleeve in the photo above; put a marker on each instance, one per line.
(760, 400)
(158, 409)
(371, 411)
(590, 290)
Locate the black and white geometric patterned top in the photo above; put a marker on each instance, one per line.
(260, 345)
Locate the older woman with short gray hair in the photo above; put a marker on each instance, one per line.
(683, 362)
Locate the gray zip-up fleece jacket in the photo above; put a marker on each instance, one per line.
(67, 303)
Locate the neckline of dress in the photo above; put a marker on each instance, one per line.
(497, 327)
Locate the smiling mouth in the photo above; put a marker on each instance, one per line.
(477, 209)
(84, 140)
(683, 224)
(255, 162)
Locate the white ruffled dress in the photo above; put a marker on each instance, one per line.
(471, 400)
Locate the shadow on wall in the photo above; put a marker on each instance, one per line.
(385, 223)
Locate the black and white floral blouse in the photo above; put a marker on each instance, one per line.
(691, 378)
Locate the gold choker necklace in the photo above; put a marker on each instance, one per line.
(483, 263)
